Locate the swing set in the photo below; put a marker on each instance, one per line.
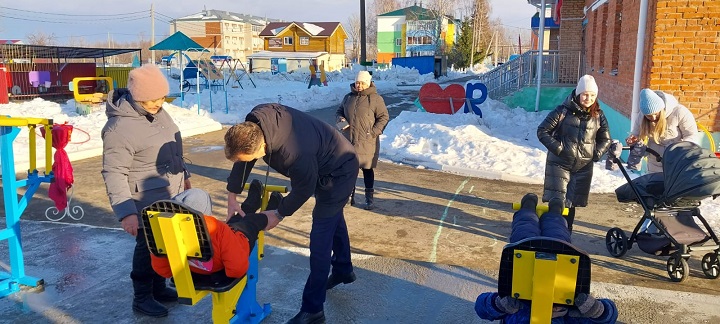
(9, 129)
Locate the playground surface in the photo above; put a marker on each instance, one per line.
(423, 256)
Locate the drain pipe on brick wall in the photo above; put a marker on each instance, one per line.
(639, 54)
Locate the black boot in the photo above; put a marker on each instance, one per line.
(254, 197)
(336, 279)
(162, 293)
(369, 203)
(143, 301)
(529, 201)
(308, 318)
(274, 200)
(570, 218)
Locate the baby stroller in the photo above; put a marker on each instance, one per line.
(670, 202)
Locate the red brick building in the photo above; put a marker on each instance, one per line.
(681, 54)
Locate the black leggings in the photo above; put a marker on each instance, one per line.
(250, 225)
(368, 178)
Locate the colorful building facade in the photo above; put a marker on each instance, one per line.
(414, 31)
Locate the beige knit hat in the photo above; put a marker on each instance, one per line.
(147, 83)
(586, 84)
(364, 76)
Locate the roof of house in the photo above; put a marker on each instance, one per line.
(23, 51)
(319, 29)
(286, 55)
(415, 12)
(218, 15)
(178, 41)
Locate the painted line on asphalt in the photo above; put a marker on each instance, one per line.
(433, 254)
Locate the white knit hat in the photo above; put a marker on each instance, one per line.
(364, 76)
(586, 84)
(197, 199)
(650, 102)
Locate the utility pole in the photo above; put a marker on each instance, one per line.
(152, 33)
(495, 55)
(472, 47)
(363, 49)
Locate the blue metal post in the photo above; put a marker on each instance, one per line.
(248, 310)
(9, 283)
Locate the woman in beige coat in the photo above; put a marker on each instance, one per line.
(664, 121)
(366, 115)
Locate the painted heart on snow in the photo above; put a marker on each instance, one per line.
(435, 99)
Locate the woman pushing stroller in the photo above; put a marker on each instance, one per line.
(663, 121)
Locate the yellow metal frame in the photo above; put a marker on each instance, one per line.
(32, 123)
(176, 236)
(709, 136)
(544, 279)
(91, 97)
(540, 209)
(265, 199)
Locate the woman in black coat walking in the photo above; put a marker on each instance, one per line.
(576, 134)
(366, 115)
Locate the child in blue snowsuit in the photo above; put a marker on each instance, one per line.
(525, 224)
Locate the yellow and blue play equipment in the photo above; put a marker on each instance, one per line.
(544, 271)
(176, 232)
(540, 209)
(90, 101)
(9, 129)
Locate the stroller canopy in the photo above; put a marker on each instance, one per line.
(689, 173)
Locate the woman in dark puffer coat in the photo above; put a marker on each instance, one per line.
(366, 114)
(576, 134)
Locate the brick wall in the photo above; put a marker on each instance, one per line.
(571, 39)
(686, 56)
(681, 55)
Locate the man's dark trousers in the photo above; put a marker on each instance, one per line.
(328, 235)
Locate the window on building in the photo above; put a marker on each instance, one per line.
(304, 40)
(397, 54)
(287, 40)
(603, 38)
(398, 42)
(274, 43)
(616, 39)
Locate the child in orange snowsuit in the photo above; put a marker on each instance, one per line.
(232, 242)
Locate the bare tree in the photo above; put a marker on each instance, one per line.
(41, 38)
(433, 23)
(377, 7)
(353, 30)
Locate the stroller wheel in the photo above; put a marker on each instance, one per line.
(616, 242)
(711, 265)
(677, 269)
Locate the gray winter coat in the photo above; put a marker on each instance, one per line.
(681, 126)
(142, 155)
(367, 115)
(574, 140)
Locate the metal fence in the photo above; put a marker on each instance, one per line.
(558, 68)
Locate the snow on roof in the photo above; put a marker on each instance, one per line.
(277, 30)
(195, 16)
(312, 28)
(288, 55)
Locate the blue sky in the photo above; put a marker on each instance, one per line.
(97, 20)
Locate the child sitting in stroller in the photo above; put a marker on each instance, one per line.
(526, 224)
